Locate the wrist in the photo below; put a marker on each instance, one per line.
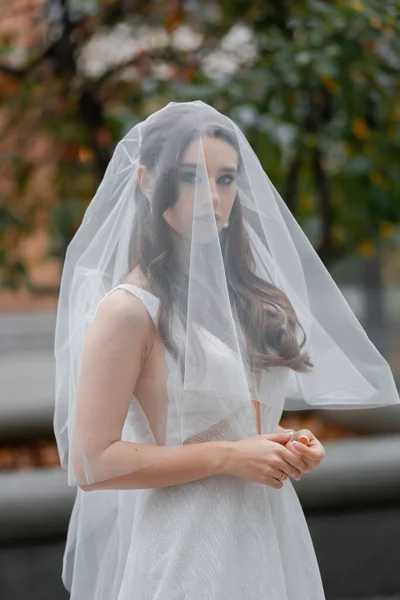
(225, 452)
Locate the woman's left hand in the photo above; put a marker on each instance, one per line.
(311, 451)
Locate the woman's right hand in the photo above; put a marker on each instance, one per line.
(263, 459)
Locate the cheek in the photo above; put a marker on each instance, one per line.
(227, 197)
(184, 207)
(181, 214)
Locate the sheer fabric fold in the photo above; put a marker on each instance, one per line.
(231, 300)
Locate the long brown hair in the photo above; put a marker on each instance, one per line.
(267, 319)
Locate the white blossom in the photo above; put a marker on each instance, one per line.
(117, 45)
(240, 41)
(184, 38)
(237, 47)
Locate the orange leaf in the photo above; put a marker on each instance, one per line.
(366, 249)
(386, 229)
(103, 137)
(376, 178)
(330, 84)
(357, 6)
(85, 154)
(375, 23)
(360, 129)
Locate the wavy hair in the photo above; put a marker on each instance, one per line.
(265, 314)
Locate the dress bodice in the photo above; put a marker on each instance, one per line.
(214, 403)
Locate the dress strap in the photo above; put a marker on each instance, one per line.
(150, 301)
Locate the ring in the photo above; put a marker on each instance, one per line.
(282, 476)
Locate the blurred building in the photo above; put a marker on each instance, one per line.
(22, 26)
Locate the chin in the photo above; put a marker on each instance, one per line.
(205, 235)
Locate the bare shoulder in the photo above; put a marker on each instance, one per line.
(121, 306)
(123, 311)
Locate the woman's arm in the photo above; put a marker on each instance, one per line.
(172, 466)
(120, 340)
(116, 349)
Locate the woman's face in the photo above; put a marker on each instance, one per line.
(215, 198)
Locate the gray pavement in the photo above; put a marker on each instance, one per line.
(38, 568)
(358, 554)
(358, 550)
(27, 330)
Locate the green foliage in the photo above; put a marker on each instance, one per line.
(324, 91)
(315, 85)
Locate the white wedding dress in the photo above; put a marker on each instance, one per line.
(217, 538)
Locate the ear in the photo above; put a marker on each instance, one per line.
(146, 183)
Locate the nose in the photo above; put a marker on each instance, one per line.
(214, 192)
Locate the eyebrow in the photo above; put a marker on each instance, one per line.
(222, 170)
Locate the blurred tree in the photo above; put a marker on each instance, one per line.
(314, 84)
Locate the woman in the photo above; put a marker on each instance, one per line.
(191, 305)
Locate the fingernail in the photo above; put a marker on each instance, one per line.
(296, 444)
(288, 431)
(304, 437)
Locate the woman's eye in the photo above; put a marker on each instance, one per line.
(225, 179)
(188, 177)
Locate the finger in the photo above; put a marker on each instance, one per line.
(311, 465)
(281, 475)
(294, 459)
(289, 446)
(279, 437)
(279, 465)
(304, 462)
(273, 482)
(293, 471)
(303, 439)
(315, 443)
(315, 448)
(305, 434)
(292, 434)
(316, 452)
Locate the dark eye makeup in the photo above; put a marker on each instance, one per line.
(190, 177)
(226, 179)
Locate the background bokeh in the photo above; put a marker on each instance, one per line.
(315, 85)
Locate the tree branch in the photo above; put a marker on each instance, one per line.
(166, 54)
(61, 51)
(92, 117)
(24, 71)
(325, 249)
(290, 194)
(281, 11)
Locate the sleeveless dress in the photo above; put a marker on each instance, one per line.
(217, 538)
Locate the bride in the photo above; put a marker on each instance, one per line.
(191, 306)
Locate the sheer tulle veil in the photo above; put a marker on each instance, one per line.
(250, 287)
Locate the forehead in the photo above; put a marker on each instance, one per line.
(218, 153)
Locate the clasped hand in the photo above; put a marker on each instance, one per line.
(304, 444)
(270, 458)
